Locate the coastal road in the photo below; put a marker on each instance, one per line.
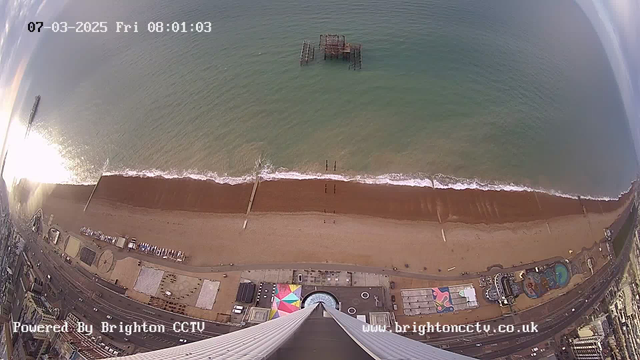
(73, 285)
(71, 291)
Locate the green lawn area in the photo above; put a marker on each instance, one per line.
(618, 241)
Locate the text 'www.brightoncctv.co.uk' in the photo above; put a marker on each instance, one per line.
(428, 327)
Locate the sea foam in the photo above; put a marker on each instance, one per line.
(437, 181)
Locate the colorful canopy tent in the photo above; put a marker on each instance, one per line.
(442, 299)
(286, 299)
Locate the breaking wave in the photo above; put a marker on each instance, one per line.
(438, 181)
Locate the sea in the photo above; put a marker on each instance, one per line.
(494, 94)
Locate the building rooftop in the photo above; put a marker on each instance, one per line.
(40, 303)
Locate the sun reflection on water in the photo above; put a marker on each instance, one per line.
(34, 158)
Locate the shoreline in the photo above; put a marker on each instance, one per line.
(330, 197)
(434, 181)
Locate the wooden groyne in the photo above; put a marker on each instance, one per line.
(104, 169)
(253, 193)
(91, 196)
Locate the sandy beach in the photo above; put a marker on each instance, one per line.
(375, 225)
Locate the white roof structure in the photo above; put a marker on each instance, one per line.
(208, 294)
(263, 340)
(470, 294)
(148, 281)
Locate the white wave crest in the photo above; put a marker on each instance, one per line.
(232, 180)
(438, 181)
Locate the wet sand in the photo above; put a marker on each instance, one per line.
(350, 198)
(288, 224)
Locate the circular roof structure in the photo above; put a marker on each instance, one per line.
(320, 297)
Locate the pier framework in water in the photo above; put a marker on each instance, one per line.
(333, 46)
(307, 53)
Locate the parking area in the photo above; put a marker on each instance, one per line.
(179, 288)
(265, 294)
